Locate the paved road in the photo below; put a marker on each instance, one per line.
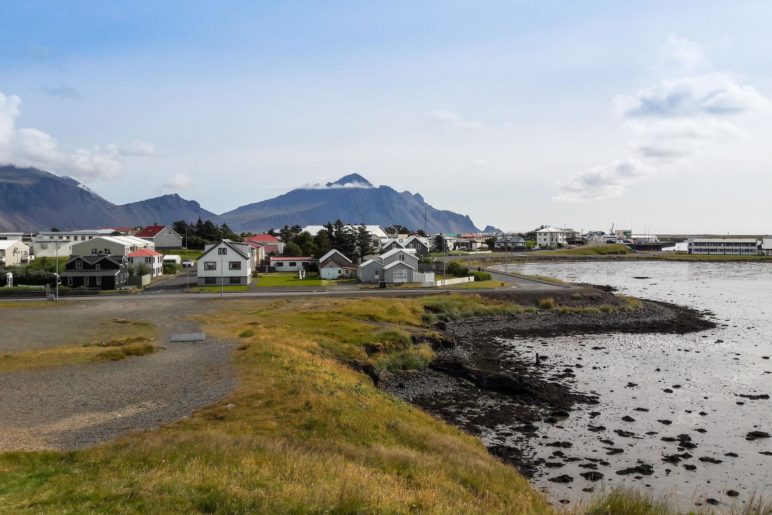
(178, 284)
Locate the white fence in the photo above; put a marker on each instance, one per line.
(447, 282)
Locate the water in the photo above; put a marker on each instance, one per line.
(706, 372)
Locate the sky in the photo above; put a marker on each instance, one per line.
(653, 116)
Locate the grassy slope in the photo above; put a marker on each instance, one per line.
(594, 250)
(301, 433)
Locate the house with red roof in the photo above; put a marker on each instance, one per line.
(163, 236)
(273, 246)
(154, 261)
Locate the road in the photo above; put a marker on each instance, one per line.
(178, 284)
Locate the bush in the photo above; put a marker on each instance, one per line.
(481, 276)
(548, 303)
(456, 269)
(28, 277)
(170, 269)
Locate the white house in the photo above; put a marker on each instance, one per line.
(154, 261)
(18, 236)
(110, 246)
(725, 246)
(227, 262)
(550, 237)
(57, 243)
(13, 253)
(290, 264)
(335, 265)
(766, 246)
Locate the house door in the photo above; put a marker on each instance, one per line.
(400, 276)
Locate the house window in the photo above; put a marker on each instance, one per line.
(94, 251)
(210, 265)
(279, 263)
(97, 266)
(85, 281)
(234, 265)
(69, 281)
(79, 265)
(148, 260)
(376, 274)
(222, 251)
(98, 281)
(292, 263)
(234, 280)
(210, 280)
(401, 257)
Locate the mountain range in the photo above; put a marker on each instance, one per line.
(33, 200)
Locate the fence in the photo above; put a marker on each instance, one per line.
(448, 282)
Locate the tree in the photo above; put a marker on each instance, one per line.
(364, 243)
(292, 249)
(397, 229)
(322, 243)
(439, 244)
(421, 233)
(491, 242)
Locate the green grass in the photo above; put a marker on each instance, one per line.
(592, 250)
(191, 254)
(302, 433)
(284, 279)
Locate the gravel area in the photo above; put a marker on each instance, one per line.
(72, 407)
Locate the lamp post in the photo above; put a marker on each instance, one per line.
(56, 253)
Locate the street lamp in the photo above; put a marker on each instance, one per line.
(56, 253)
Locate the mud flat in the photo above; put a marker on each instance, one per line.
(581, 401)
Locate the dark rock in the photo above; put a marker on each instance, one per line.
(642, 468)
(553, 464)
(760, 397)
(690, 467)
(623, 433)
(667, 390)
(564, 445)
(701, 430)
(614, 450)
(596, 429)
(711, 501)
(755, 435)
(708, 459)
(766, 453)
(628, 418)
(665, 421)
(565, 478)
(592, 475)
(732, 493)
(641, 409)
(732, 454)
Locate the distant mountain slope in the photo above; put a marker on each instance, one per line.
(352, 199)
(163, 210)
(34, 200)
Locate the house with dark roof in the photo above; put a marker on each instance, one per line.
(335, 265)
(399, 265)
(226, 263)
(163, 236)
(101, 272)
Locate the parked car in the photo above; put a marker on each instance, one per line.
(188, 263)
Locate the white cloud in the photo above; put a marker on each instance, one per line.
(454, 121)
(670, 123)
(137, 148)
(177, 182)
(683, 56)
(603, 182)
(32, 147)
(713, 94)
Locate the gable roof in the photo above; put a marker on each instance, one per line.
(392, 252)
(5, 244)
(92, 260)
(144, 253)
(369, 262)
(298, 258)
(397, 263)
(235, 246)
(332, 253)
(263, 238)
(420, 239)
(150, 231)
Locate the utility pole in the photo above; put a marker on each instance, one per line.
(56, 253)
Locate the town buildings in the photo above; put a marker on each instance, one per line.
(110, 245)
(290, 264)
(162, 236)
(101, 272)
(334, 265)
(550, 237)
(725, 246)
(13, 253)
(154, 261)
(394, 266)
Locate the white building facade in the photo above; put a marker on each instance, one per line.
(13, 253)
(725, 246)
(550, 237)
(225, 263)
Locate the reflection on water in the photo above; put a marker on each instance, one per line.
(672, 410)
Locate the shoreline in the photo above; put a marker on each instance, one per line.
(479, 384)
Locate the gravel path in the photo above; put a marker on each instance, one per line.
(77, 406)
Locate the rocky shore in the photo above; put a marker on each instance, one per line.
(502, 394)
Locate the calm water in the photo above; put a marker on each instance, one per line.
(693, 381)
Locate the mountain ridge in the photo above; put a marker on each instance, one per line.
(33, 199)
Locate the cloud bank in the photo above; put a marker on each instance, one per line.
(670, 123)
(33, 147)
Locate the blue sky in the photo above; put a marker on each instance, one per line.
(519, 114)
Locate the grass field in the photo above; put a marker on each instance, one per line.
(615, 249)
(303, 432)
(280, 279)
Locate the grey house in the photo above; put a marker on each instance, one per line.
(395, 266)
(162, 236)
(417, 243)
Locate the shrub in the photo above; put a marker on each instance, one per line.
(170, 269)
(548, 303)
(481, 276)
(456, 269)
(246, 333)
